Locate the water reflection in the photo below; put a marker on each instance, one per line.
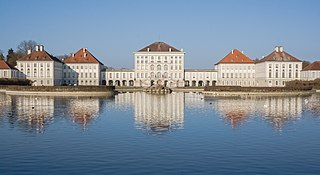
(36, 113)
(83, 110)
(155, 114)
(275, 110)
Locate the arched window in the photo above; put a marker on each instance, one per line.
(152, 67)
(165, 75)
(152, 75)
(165, 67)
(158, 75)
(158, 67)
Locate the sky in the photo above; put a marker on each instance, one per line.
(207, 30)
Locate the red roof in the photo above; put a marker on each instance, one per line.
(82, 56)
(5, 65)
(39, 56)
(280, 56)
(235, 56)
(314, 66)
(159, 47)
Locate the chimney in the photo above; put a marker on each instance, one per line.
(148, 49)
(170, 49)
(181, 49)
(73, 55)
(83, 50)
(37, 48)
(41, 48)
(280, 48)
(242, 52)
(276, 48)
(29, 51)
(232, 51)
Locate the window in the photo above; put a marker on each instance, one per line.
(222, 75)
(117, 75)
(158, 67)
(283, 74)
(165, 67)
(152, 67)
(110, 75)
(289, 73)
(297, 66)
(270, 74)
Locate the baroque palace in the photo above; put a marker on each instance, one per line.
(162, 64)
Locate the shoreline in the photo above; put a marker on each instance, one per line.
(109, 91)
(79, 93)
(239, 93)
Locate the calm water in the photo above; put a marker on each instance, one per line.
(138, 133)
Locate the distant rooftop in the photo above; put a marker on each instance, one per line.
(159, 47)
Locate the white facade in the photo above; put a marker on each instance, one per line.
(41, 68)
(200, 77)
(158, 68)
(274, 73)
(47, 73)
(9, 73)
(310, 74)
(163, 65)
(82, 74)
(118, 77)
(241, 74)
(277, 68)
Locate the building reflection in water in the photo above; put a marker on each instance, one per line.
(234, 110)
(155, 114)
(313, 104)
(275, 110)
(279, 110)
(82, 110)
(33, 113)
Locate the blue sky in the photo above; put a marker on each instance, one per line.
(206, 30)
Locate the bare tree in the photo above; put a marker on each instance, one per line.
(24, 46)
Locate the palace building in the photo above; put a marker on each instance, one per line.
(7, 71)
(82, 68)
(161, 64)
(41, 67)
(311, 72)
(236, 69)
(277, 68)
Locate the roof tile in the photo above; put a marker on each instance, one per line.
(159, 47)
(82, 56)
(235, 56)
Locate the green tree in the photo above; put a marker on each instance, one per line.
(1, 55)
(12, 57)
